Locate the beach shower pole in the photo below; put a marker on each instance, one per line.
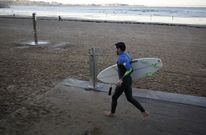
(93, 67)
(34, 26)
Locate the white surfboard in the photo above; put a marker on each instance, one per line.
(142, 67)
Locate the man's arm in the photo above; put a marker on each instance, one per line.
(127, 73)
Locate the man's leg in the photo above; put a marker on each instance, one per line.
(128, 93)
(118, 92)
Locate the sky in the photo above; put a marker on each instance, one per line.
(168, 3)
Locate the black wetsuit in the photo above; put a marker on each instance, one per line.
(124, 64)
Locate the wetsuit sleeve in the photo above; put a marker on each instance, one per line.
(126, 63)
(128, 72)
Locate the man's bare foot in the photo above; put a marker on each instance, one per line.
(145, 115)
(108, 114)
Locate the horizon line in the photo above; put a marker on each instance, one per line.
(93, 4)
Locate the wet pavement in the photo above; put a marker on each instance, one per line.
(74, 110)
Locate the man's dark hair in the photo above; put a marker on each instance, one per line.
(120, 45)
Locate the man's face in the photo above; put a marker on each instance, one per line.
(118, 51)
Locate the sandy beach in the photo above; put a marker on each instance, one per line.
(28, 71)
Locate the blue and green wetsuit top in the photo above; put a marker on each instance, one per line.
(124, 65)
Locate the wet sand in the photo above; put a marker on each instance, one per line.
(29, 71)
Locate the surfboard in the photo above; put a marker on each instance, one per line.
(142, 67)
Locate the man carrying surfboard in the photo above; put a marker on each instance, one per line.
(125, 81)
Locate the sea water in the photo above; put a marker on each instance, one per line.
(169, 15)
